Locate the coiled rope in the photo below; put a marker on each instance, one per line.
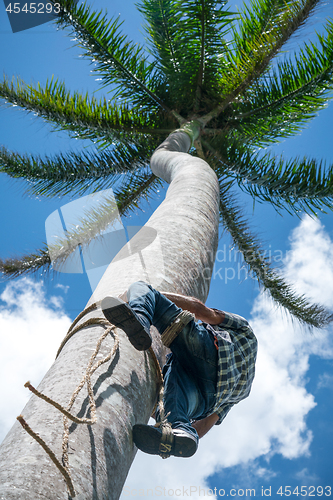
(86, 379)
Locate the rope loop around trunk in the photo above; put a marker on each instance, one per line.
(92, 366)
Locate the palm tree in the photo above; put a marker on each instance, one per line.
(218, 85)
(228, 76)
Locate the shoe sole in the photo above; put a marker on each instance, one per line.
(121, 315)
(148, 440)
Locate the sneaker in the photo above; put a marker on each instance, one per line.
(120, 314)
(149, 440)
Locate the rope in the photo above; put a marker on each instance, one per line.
(72, 330)
(167, 439)
(167, 434)
(171, 332)
(181, 320)
(86, 379)
(50, 453)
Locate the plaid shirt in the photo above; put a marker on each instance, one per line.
(237, 352)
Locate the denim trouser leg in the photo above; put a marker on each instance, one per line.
(145, 300)
(190, 375)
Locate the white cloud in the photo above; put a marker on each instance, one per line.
(309, 263)
(273, 419)
(32, 328)
(306, 477)
(325, 381)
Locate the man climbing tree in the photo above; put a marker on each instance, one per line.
(211, 99)
(211, 366)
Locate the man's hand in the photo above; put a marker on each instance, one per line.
(204, 425)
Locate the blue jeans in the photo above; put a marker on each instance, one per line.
(190, 374)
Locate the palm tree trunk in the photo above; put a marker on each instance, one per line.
(100, 455)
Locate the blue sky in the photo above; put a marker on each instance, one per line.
(282, 435)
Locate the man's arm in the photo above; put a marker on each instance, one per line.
(195, 306)
(204, 425)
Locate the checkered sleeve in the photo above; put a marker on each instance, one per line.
(237, 323)
(234, 321)
(237, 348)
(222, 412)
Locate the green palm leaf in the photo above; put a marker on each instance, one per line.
(296, 185)
(172, 25)
(78, 172)
(118, 61)
(128, 194)
(289, 96)
(86, 118)
(263, 30)
(26, 264)
(250, 247)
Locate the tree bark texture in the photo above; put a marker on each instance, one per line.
(179, 257)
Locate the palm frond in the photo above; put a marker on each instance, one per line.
(299, 307)
(14, 267)
(128, 194)
(295, 185)
(84, 117)
(134, 189)
(120, 62)
(77, 173)
(289, 96)
(264, 28)
(187, 40)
